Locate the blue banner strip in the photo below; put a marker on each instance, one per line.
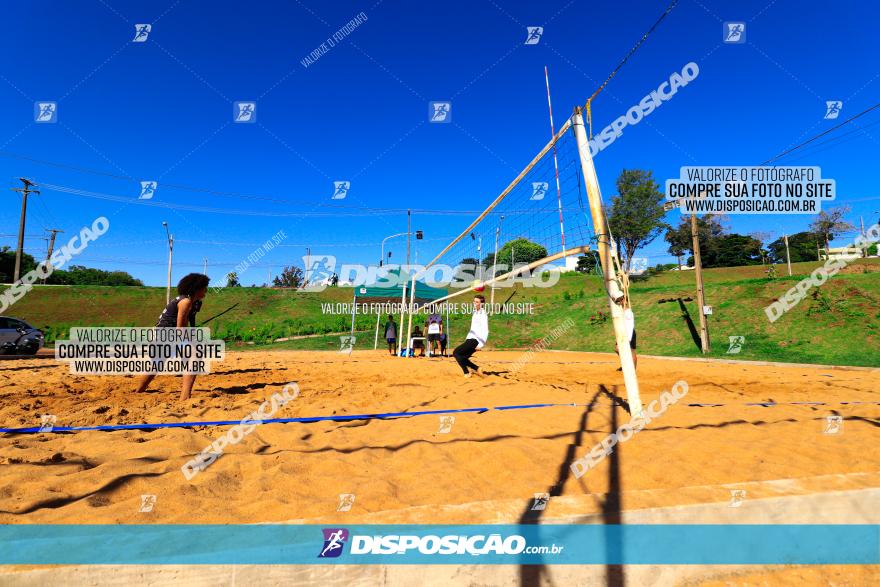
(34, 544)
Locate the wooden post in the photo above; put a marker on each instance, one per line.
(701, 298)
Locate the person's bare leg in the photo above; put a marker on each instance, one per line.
(145, 381)
(635, 359)
(188, 381)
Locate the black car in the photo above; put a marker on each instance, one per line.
(17, 337)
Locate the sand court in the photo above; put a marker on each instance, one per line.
(747, 444)
(757, 429)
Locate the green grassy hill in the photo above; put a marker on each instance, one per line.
(838, 323)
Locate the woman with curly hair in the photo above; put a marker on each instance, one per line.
(180, 313)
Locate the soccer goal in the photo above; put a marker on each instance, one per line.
(548, 216)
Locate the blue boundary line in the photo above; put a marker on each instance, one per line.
(381, 416)
(304, 420)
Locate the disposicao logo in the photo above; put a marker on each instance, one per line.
(334, 541)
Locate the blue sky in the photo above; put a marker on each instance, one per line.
(162, 110)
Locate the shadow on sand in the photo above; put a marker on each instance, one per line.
(536, 575)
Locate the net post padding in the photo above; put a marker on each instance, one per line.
(612, 285)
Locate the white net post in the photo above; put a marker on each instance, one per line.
(412, 296)
(609, 271)
(399, 332)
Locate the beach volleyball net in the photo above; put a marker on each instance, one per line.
(549, 215)
(542, 213)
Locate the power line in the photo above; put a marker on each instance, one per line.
(633, 50)
(231, 194)
(821, 134)
(355, 212)
(833, 142)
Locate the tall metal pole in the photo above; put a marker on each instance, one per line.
(54, 231)
(408, 234)
(495, 261)
(555, 161)
(25, 190)
(206, 266)
(612, 287)
(787, 256)
(701, 299)
(170, 253)
(382, 258)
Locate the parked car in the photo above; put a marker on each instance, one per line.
(17, 337)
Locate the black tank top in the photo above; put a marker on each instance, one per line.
(168, 318)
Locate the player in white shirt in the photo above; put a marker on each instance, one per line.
(629, 322)
(433, 331)
(475, 340)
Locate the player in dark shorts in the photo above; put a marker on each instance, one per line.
(180, 313)
(475, 340)
(391, 334)
(433, 329)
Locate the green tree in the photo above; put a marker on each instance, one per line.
(679, 241)
(731, 250)
(830, 224)
(80, 275)
(801, 247)
(636, 216)
(72, 275)
(586, 264)
(232, 280)
(709, 230)
(521, 251)
(290, 277)
(7, 264)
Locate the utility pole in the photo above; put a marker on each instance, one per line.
(864, 249)
(787, 256)
(408, 233)
(170, 251)
(206, 266)
(701, 299)
(307, 273)
(25, 191)
(54, 231)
